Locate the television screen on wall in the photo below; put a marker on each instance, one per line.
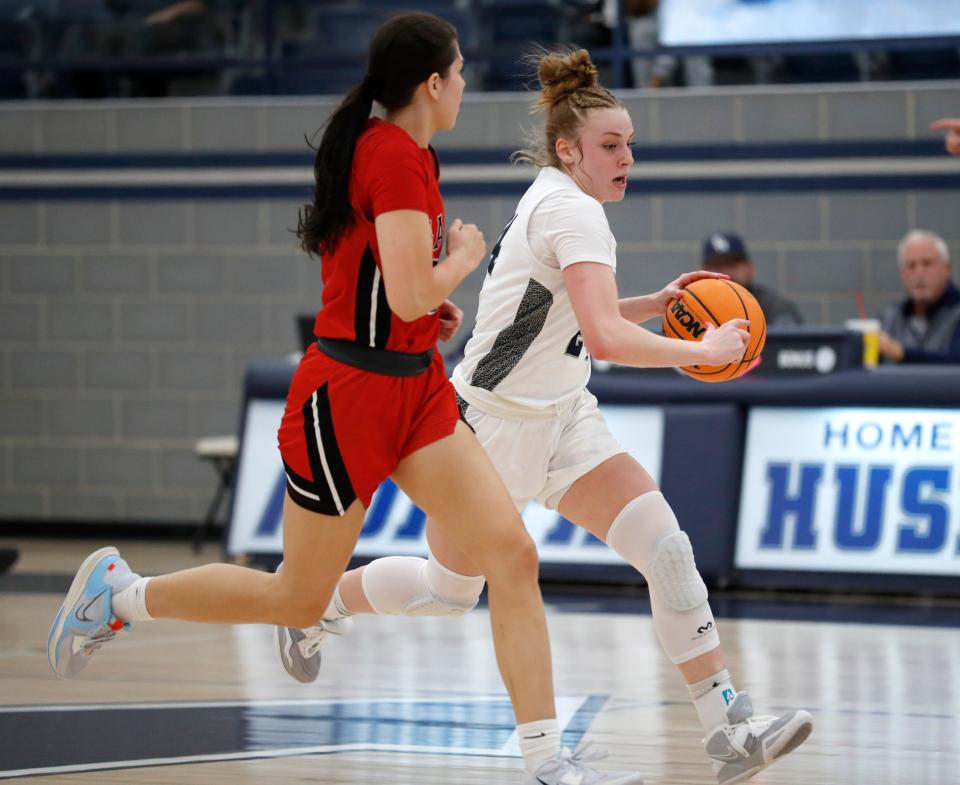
(740, 22)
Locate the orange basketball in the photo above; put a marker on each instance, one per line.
(715, 300)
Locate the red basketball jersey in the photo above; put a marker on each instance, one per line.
(390, 172)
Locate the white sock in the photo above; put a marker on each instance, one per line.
(336, 609)
(711, 697)
(131, 603)
(539, 741)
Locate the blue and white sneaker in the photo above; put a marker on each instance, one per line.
(85, 621)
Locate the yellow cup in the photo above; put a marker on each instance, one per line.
(870, 329)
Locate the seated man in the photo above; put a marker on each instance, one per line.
(726, 253)
(925, 327)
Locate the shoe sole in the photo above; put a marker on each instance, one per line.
(75, 593)
(798, 737)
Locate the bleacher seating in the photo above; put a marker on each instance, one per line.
(15, 44)
(320, 45)
(511, 30)
(327, 80)
(819, 68)
(925, 64)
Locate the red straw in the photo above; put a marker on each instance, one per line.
(861, 308)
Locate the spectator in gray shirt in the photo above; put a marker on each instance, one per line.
(724, 252)
(925, 327)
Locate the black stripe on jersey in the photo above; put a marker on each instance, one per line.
(365, 302)
(383, 317)
(512, 343)
(318, 421)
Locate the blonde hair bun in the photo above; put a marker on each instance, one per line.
(564, 73)
(569, 90)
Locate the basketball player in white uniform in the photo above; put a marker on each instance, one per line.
(548, 303)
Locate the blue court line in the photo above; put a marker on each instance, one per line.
(581, 721)
(176, 733)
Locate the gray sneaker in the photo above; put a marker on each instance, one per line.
(300, 648)
(748, 744)
(570, 769)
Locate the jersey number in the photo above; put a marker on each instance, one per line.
(575, 347)
(496, 248)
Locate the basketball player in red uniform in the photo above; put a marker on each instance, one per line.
(369, 401)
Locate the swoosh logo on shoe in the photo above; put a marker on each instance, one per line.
(82, 611)
(724, 756)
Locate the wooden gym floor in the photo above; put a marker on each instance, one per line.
(419, 701)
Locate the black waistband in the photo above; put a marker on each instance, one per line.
(367, 358)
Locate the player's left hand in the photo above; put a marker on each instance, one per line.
(450, 319)
(674, 289)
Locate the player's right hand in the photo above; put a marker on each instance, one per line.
(725, 344)
(467, 240)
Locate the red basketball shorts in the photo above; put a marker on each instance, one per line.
(344, 430)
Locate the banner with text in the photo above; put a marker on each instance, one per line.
(851, 490)
(394, 526)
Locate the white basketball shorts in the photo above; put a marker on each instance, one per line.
(541, 458)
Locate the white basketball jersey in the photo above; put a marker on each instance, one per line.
(526, 357)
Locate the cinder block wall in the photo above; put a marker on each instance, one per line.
(820, 247)
(126, 326)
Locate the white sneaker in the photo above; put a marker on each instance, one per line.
(569, 769)
(300, 648)
(748, 744)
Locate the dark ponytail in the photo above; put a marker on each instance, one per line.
(405, 51)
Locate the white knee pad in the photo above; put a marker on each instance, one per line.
(647, 535)
(411, 586)
(672, 572)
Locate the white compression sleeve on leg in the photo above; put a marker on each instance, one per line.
(391, 582)
(647, 535)
(411, 586)
(457, 591)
